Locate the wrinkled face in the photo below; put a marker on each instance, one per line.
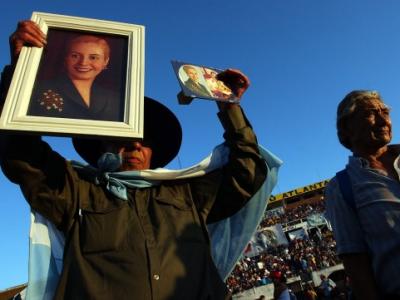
(135, 156)
(370, 126)
(85, 60)
(192, 74)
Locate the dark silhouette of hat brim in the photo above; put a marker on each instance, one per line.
(161, 128)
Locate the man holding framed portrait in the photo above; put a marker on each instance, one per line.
(132, 232)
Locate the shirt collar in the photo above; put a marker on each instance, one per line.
(355, 161)
(359, 161)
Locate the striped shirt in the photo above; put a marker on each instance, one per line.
(374, 226)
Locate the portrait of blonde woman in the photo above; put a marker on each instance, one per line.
(73, 90)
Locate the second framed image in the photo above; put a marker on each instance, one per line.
(202, 82)
(88, 80)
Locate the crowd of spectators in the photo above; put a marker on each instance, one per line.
(282, 216)
(299, 258)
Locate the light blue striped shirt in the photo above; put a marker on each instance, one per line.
(375, 225)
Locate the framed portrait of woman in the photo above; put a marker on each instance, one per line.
(87, 80)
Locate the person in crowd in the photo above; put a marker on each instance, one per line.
(326, 287)
(292, 295)
(127, 238)
(193, 83)
(76, 93)
(310, 293)
(281, 291)
(364, 206)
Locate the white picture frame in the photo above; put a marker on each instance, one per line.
(16, 116)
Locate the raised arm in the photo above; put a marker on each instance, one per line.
(222, 193)
(28, 161)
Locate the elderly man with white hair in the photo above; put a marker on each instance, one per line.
(363, 200)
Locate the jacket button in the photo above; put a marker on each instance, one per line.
(156, 277)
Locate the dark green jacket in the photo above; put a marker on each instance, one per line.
(153, 246)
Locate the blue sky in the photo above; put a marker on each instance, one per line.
(301, 56)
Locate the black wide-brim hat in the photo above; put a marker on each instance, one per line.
(161, 128)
